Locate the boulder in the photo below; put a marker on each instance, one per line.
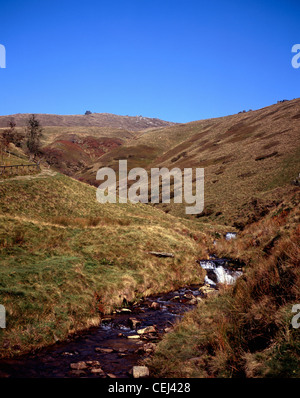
(193, 301)
(188, 296)
(148, 329)
(155, 306)
(78, 365)
(93, 363)
(133, 322)
(207, 289)
(98, 371)
(133, 336)
(140, 371)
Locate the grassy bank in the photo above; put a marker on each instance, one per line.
(246, 330)
(65, 259)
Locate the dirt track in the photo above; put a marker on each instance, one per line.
(45, 173)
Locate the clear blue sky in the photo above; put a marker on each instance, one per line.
(178, 60)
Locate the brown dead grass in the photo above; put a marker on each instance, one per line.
(246, 330)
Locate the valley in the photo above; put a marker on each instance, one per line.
(68, 262)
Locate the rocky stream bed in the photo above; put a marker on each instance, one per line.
(117, 347)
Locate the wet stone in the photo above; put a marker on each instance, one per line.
(133, 336)
(188, 295)
(66, 354)
(78, 365)
(104, 350)
(111, 375)
(140, 372)
(148, 329)
(117, 346)
(93, 363)
(98, 371)
(77, 373)
(134, 323)
(193, 301)
(155, 306)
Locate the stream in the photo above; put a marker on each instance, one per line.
(123, 339)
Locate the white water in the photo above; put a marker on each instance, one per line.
(230, 235)
(222, 274)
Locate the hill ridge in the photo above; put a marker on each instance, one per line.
(131, 123)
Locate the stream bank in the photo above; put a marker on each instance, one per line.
(123, 339)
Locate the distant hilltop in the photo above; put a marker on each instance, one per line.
(131, 123)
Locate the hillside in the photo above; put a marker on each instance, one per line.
(245, 331)
(249, 159)
(65, 259)
(131, 123)
(72, 143)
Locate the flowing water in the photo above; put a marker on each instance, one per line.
(230, 235)
(220, 271)
(114, 347)
(115, 344)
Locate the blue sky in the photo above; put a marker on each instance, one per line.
(178, 60)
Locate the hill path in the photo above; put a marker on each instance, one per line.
(45, 173)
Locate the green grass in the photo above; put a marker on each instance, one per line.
(65, 259)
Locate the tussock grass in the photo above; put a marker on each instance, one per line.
(246, 330)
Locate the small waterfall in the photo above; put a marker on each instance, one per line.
(230, 235)
(217, 271)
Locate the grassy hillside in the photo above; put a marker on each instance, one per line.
(132, 123)
(246, 330)
(65, 259)
(53, 133)
(14, 157)
(249, 159)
